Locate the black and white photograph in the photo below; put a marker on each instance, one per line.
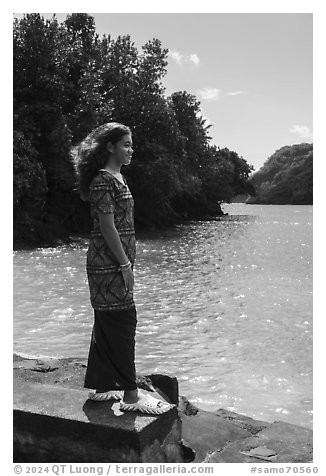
(162, 241)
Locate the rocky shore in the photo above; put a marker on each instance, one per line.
(211, 437)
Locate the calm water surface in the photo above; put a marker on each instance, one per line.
(226, 306)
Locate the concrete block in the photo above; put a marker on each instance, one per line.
(57, 424)
(70, 373)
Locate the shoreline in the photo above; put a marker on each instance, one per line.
(73, 239)
(207, 436)
(65, 361)
(145, 231)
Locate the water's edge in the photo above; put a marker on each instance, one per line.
(223, 304)
(226, 434)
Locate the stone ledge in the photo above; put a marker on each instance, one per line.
(55, 424)
(70, 373)
(218, 436)
(223, 436)
(291, 443)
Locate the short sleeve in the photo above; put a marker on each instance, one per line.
(101, 195)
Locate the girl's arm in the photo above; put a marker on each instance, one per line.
(113, 241)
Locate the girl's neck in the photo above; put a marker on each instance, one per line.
(113, 168)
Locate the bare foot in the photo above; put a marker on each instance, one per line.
(133, 396)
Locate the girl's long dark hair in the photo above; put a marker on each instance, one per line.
(91, 154)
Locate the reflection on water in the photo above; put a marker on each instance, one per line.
(226, 306)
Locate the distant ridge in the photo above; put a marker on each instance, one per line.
(286, 178)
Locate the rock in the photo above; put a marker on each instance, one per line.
(188, 453)
(206, 432)
(165, 385)
(187, 407)
(168, 385)
(262, 451)
(38, 365)
(290, 444)
(212, 437)
(249, 424)
(67, 372)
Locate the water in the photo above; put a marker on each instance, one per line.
(226, 306)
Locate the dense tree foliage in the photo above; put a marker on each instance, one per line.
(286, 177)
(68, 80)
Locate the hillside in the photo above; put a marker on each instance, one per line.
(286, 177)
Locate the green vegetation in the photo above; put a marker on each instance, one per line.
(68, 80)
(286, 177)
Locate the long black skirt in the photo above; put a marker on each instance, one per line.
(111, 359)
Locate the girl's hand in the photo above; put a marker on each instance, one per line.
(128, 277)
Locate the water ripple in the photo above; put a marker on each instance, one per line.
(226, 306)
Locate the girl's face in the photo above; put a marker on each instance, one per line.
(122, 150)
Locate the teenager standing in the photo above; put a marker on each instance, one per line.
(110, 260)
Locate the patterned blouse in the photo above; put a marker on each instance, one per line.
(107, 289)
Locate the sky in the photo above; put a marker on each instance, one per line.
(251, 72)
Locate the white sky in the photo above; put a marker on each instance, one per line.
(252, 72)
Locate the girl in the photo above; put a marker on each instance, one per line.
(110, 259)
